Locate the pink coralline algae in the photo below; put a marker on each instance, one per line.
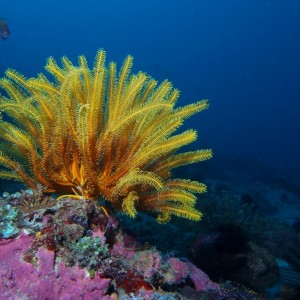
(22, 280)
(200, 279)
(146, 263)
(120, 250)
(179, 271)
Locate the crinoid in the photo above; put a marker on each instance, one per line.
(96, 132)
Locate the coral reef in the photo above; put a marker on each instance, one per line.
(33, 200)
(96, 132)
(290, 272)
(75, 250)
(88, 251)
(223, 257)
(8, 217)
(225, 205)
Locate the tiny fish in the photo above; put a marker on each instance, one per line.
(4, 30)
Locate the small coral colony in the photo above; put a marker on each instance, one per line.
(98, 132)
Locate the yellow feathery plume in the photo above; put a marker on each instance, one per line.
(128, 204)
(100, 131)
(185, 184)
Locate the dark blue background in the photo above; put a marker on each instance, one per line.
(241, 55)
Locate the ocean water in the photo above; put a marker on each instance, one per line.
(241, 55)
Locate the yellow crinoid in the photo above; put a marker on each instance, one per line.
(98, 132)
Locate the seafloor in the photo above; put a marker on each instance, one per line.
(246, 246)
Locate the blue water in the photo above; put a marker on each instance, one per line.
(241, 55)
